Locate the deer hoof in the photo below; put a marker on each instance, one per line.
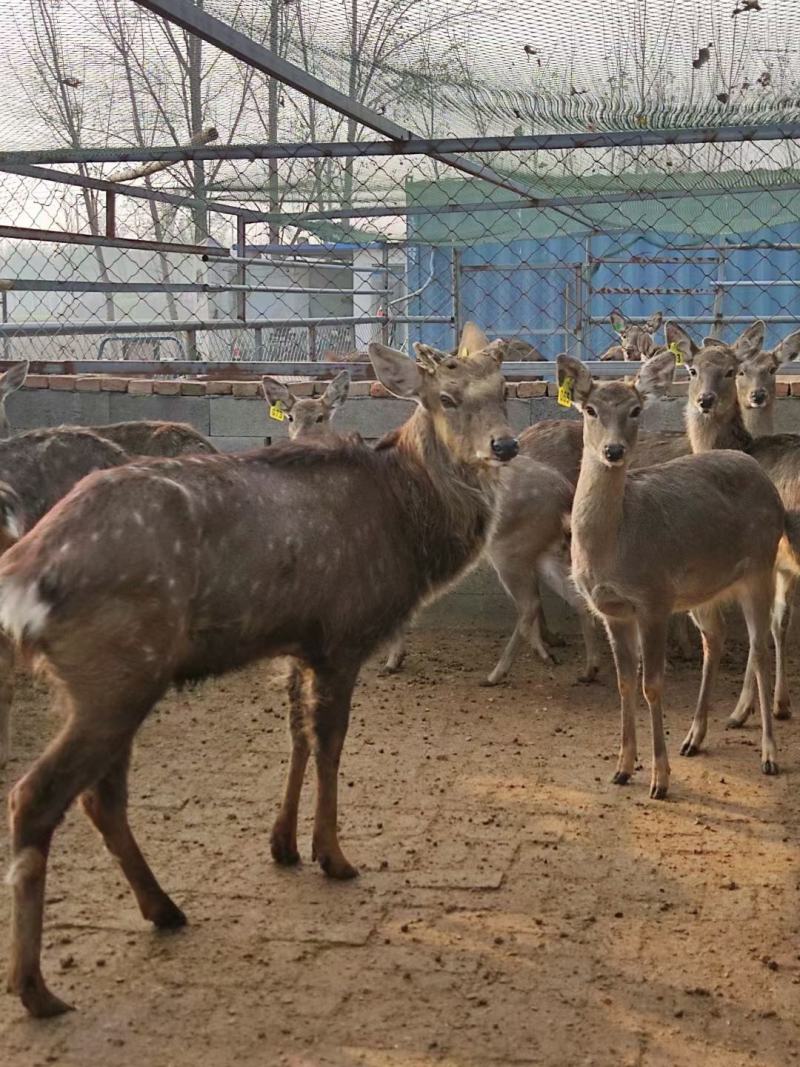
(283, 848)
(490, 681)
(689, 748)
(166, 915)
(38, 999)
(737, 720)
(339, 869)
(769, 766)
(588, 677)
(658, 792)
(621, 778)
(783, 711)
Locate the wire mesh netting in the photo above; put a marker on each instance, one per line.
(309, 255)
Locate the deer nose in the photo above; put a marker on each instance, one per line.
(706, 401)
(505, 448)
(758, 397)
(614, 453)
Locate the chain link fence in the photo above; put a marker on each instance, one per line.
(265, 227)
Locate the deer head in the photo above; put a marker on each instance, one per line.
(308, 417)
(12, 380)
(755, 379)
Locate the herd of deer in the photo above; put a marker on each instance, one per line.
(122, 575)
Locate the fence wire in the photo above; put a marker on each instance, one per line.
(308, 257)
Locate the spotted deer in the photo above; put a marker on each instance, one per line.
(636, 342)
(307, 416)
(716, 515)
(714, 421)
(154, 438)
(169, 569)
(10, 381)
(756, 381)
(36, 470)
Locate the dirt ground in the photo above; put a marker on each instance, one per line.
(514, 907)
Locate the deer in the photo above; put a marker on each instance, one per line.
(12, 380)
(37, 469)
(756, 381)
(123, 589)
(307, 416)
(714, 421)
(155, 438)
(635, 342)
(718, 514)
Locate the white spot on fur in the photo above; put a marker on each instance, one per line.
(22, 611)
(65, 547)
(95, 537)
(12, 527)
(138, 518)
(177, 546)
(27, 864)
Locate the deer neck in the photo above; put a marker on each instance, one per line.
(447, 504)
(707, 432)
(597, 512)
(759, 422)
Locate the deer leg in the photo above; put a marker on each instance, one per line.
(747, 699)
(785, 585)
(711, 623)
(6, 696)
(756, 603)
(623, 644)
(589, 634)
(106, 804)
(680, 631)
(283, 840)
(330, 716)
(397, 653)
(77, 757)
(654, 655)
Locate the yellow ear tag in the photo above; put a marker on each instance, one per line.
(277, 413)
(462, 352)
(677, 353)
(565, 393)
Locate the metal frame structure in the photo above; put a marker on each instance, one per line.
(455, 152)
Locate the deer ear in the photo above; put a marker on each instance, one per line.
(678, 340)
(336, 393)
(653, 323)
(655, 377)
(14, 378)
(617, 320)
(277, 393)
(571, 370)
(472, 340)
(788, 349)
(750, 341)
(399, 374)
(616, 352)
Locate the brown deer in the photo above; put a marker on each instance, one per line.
(714, 421)
(13, 379)
(154, 438)
(719, 515)
(307, 416)
(177, 568)
(756, 381)
(37, 469)
(635, 342)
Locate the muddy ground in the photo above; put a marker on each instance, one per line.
(514, 907)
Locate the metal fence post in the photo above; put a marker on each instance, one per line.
(387, 287)
(241, 270)
(191, 344)
(258, 341)
(313, 355)
(719, 295)
(456, 294)
(111, 214)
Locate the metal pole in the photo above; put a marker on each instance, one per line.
(191, 344)
(456, 295)
(386, 287)
(258, 342)
(241, 269)
(111, 214)
(313, 354)
(719, 296)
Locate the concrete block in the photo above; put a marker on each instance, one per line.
(114, 383)
(231, 416)
(238, 444)
(219, 388)
(302, 388)
(64, 382)
(794, 389)
(379, 391)
(87, 383)
(247, 389)
(519, 414)
(167, 388)
(373, 418)
(37, 381)
(193, 388)
(526, 390)
(140, 387)
(781, 388)
(29, 409)
(360, 388)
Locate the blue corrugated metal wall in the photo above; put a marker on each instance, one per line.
(531, 304)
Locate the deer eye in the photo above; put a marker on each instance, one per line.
(447, 400)
(772, 370)
(319, 418)
(728, 373)
(590, 411)
(693, 372)
(635, 412)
